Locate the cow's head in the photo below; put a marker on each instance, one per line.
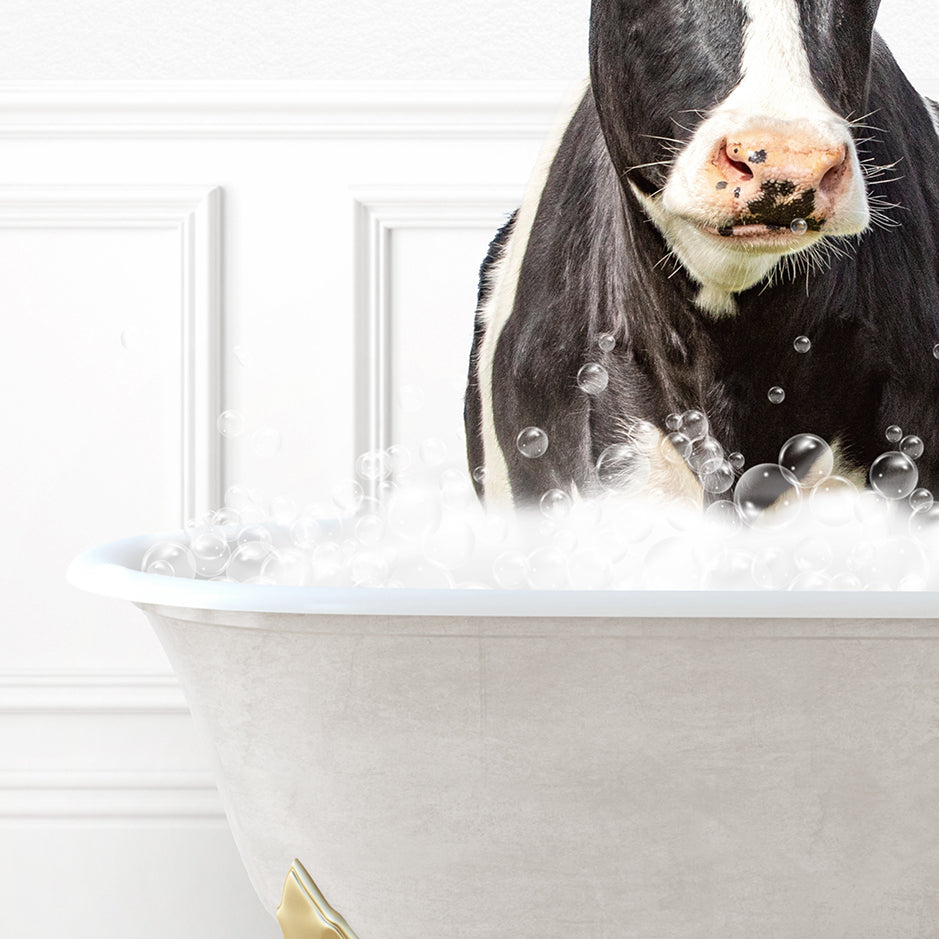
(731, 120)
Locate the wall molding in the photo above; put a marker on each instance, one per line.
(379, 213)
(194, 213)
(88, 692)
(281, 109)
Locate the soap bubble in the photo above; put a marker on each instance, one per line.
(693, 424)
(871, 508)
(398, 459)
(170, 559)
(773, 568)
(224, 516)
(237, 497)
(924, 522)
(547, 569)
(736, 460)
(921, 499)
(480, 474)
(593, 378)
(283, 510)
(719, 479)
(456, 491)
(894, 433)
(799, 226)
(555, 504)
(347, 496)
(589, 568)
(510, 569)
(767, 496)
(673, 422)
(706, 455)
(810, 580)
(369, 569)
(894, 475)
(935, 351)
(846, 581)
(606, 342)
(230, 423)
(776, 395)
(419, 573)
(912, 446)
(372, 465)
(266, 442)
(621, 465)
(370, 529)
(433, 452)
(210, 553)
(241, 356)
(532, 442)
(808, 458)
(832, 501)
(248, 559)
(675, 447)
(253, 533)
(305, 531)
(802, 344)
(723, 513)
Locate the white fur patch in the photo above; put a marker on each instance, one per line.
(498, 308)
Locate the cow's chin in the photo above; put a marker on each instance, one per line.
(726, 262)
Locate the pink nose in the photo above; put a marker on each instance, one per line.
(774, 178)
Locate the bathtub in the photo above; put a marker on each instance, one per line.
(544, 765)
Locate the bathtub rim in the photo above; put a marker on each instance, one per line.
(109, 570)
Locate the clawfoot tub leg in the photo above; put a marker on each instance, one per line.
(304, 913)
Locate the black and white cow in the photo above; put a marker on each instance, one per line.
(739, 173)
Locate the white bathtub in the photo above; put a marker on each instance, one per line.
(474, 764)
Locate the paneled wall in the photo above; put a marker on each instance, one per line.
(303, 255)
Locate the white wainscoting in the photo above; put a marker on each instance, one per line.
(303, 254)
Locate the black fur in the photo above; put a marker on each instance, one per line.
(591, 267)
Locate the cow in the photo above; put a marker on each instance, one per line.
(738, 222)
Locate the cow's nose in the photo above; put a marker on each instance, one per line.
(768, 177)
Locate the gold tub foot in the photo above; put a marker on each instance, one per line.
(304, 913)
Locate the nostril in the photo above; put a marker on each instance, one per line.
(734, 170)
(832, 179)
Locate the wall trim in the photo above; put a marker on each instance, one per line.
(281, 109)
(88, 692)
(194, 212)
(379, 212)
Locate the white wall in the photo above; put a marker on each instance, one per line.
(172, 248)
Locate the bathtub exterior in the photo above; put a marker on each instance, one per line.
(472, 777)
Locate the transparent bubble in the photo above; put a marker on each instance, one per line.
(719, 479)
(433, 452)
(776, 395)
(871, 508)
(237, 497)
(210, 553)
(369, 569)
(373, 465)
(593, 378)
(894, 433)
(254, 533)
(736, 460)
(812, 554)
(287, 567)
(683, 514)
(706, 456)
(532, 442)
(894, 475)
(799, 226)
(305, 532)
(248, 559)
(589, 568)
(510, 569)
(767, 496)
(832, 501)
(398, 459)
(921, 499)
(621, 465)
(347, 496)
(729, 569)
(935, 351)
(230, 423)
(723, 513)
(606, 342)
(170, 559)
(810, 580)
(802, 344)
(456, 491)
(671, 564)
(694, 425)
(266, 442)
(673, 422)
(547, 569)
(480, 474)
(555, 504)
(328, 564)
(924, 523)
(128, 341)
(808, 458)
(675, 447)
(241, 356)
(912, 446)
(845, 580)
